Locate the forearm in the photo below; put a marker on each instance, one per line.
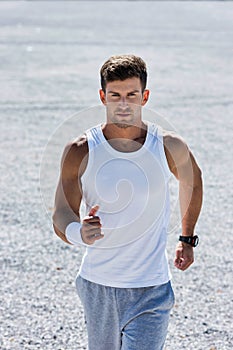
(190, 206)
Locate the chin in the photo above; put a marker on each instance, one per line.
(123, 122)
(122, 125)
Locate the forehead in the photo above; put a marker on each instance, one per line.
(127, 85)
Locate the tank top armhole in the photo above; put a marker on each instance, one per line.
(90, 158)
(162, 153)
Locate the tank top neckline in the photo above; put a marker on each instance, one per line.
(125, 154)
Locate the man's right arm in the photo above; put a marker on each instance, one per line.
(69, 195)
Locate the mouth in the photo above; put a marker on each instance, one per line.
(123, 115)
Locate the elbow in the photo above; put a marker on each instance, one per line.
(56, 222)
(60, 234)
(200, 173)
(198, 178)
(57, 231)
(198, 186)
(58, 227)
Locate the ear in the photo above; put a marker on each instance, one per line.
(145, 97)
(102, 96)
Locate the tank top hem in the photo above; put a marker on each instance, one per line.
(157, 281)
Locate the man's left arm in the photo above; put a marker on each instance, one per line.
(184, 166)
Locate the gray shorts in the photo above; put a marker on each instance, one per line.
(125, 318)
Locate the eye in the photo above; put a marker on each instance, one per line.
(132, 94)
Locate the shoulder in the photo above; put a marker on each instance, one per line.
(176, 149)
(74, 158)
(174, 142)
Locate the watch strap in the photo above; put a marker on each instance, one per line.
(192, 240)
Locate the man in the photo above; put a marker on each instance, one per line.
(121, 169)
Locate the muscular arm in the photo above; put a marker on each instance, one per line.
(183, 165)
(69, 194)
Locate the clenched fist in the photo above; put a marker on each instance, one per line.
(91, 227)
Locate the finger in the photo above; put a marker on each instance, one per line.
(178, 259)
(182, 263)
(179, 255)
(89, 229)
(95, 237)
(187, 263)
(91, 220)
(178, 264)
(93, 210)
(92, 231)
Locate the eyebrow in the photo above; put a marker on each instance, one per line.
(116, 92)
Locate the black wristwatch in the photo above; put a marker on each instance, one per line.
(192, 240)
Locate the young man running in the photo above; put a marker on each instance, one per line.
(121, 170)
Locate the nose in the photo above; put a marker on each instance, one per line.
(123, 102)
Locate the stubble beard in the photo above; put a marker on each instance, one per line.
(122, 125)
(129, 122)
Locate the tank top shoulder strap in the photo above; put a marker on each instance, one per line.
(93, 136)
(152, 130)
(156, 145)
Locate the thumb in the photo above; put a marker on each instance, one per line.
(93, 210)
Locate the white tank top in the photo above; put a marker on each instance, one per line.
(132, 192)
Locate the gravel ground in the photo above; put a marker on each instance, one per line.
(39, 308)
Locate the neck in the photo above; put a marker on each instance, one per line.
(125, 139)
(131, 132)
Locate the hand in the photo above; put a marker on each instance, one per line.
(91, 227)
(184, 256)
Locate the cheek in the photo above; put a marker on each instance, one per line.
(110, 107)
(136, 101)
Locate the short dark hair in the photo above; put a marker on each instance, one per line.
(122, 67)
